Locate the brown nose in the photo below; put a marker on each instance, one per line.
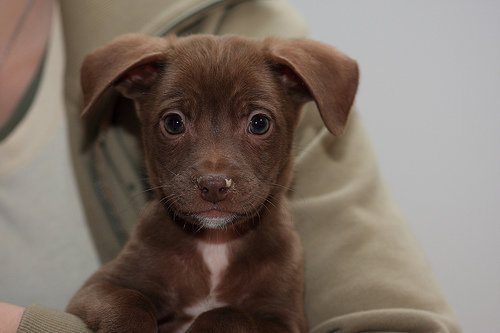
(214, 188)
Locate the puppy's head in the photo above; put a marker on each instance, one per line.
(218, 114)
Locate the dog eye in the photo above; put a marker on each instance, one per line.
(174, 124)
(259, 124)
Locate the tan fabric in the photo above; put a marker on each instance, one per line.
(39, 319)
(365, 272)
(364, 268)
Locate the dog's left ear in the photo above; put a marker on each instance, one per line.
(127, 64)
(313, 70)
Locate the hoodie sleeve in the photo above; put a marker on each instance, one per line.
(39, 319)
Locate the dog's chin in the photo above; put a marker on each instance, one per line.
(214, 219)
(213, 216)
(208, 219)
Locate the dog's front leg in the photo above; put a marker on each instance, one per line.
(229, 319)
(106, 308)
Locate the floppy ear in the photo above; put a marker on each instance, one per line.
(313, 70)
(129, 63)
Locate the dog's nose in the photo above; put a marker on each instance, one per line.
(214, 188)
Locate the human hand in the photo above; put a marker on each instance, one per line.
(10, 317)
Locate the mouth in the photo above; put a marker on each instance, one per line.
(214, 218)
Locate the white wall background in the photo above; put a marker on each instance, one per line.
(430, 100)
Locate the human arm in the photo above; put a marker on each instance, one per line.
(365, 271)
(10, 316)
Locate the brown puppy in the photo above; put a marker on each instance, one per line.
(216, 250)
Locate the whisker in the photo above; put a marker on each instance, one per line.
(282, 186)
(200, 227)
(168, 199)
(265, 199)
(152, 188)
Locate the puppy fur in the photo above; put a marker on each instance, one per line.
(215, 250)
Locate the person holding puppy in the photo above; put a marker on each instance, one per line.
(343, 212)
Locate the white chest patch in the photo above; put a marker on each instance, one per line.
(216, 259)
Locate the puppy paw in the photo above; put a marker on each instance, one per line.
(110, 309)
(223, 320)
(130, 321)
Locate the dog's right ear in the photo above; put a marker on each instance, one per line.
(129, 63)
(313, 70)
